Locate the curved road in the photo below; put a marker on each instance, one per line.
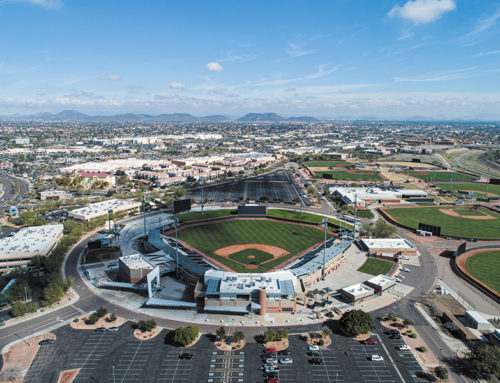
(11, 195)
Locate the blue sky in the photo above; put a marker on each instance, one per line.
(330, 58)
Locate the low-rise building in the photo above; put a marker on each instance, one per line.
(381, 283)
(34, 241)
(356, 293)
(369, 195)
(133, 269)
(52, 195)
(99, 209)
(389, 247)
(477, 321)
(89, 178)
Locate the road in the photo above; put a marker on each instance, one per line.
(11, 195)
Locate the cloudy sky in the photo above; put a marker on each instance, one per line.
(326, 58)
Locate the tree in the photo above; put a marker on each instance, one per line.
(486, 360)
(283, 334)
(356, 322)
(408, 322)
(441, 372)
(326, 331)
(221, 333)
(238, 336)
(271, 336)
(52, 293)
(101, 311)
(380, 230)
(112, 317)
(185, 335)
(92, 319)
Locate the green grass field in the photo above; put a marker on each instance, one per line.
(432, 176)
(376, 266)
(452, 226)
(207, 214)
(486, 267)
(479, 188)
(291, 237)
(326, 164)
(306, 217)
(356, 175)
(251, 256)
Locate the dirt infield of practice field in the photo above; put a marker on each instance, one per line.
(453, 213)
(275, 251)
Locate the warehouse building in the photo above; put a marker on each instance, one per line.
(99, 209)
(228, 292)
(370, 196)
(18, 250)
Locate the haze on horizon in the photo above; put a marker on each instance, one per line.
(390, 59)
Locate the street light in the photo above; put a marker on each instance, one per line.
(114, 380)
(325, 223)
(355, 212)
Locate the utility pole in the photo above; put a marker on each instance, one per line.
(325, 223)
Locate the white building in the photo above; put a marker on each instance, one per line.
(368, 196)
(29, 242)
(389, 246)
(102, 208)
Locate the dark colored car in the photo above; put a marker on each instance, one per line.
(316, 361)
(186, 355)
(272, 374)
(396, 337)
(100, 329)
(46, 341)
(284, 353)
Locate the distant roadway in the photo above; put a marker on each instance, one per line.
(12, 196)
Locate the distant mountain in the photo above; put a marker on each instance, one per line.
(214, 118)
(254, 117)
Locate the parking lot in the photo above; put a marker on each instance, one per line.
(119, 357)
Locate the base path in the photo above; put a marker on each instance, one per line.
(273, 250)
(453, 213)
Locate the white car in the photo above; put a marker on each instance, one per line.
(404, 347)
(270, 360)
(377, 358)
(313, 348)
(405, 269)
(286, 361)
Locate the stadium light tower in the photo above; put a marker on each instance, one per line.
(355, 212)
(324, 222)
(144, 213)
(176, 223)
(202, 199)
(487, 182)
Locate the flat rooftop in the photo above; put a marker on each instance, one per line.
(381, 280)
(104, 206)
(135, 261)
(33, 239)
(388, 243)
(247, 283)
(358, 289)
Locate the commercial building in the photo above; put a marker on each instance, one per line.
(52, 195)
(133, 269)
(367, 290)
(89, 178)
(381, 283)
(18, 250)
(477, 321)
(102, 208)
(370, 196)
(274, 292)
(389, 247)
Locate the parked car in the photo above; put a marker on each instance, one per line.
(316, 361)
(271, 374)
(404, 347)
(273, 379)
(315, 354)
(271, 369)
(286, 361)
(313, 348)
(376, 358)
(100, 329)
(284, 353)
(270, 350)
(370, 341)
(270, 360)
(46, 341)
(186, 355)
(113, 329)
(396, 337)
(405, 269)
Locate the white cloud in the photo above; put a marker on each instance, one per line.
(177, 85)
(322, 71)
(490, 53)
(423, 11)
(113, 78)
(295, 50)
(214, 67)
(443, 76)
(485, 23)
(51, 4)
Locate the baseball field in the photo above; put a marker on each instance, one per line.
(251, 245)
(351, 175)
(455, 221)
(432, 176)
(476, 188)
(486, 268)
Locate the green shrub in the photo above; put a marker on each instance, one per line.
(20, 309)
(76, 320)
(283, 334)
(238, 336)
(321, 342)
(185, 335)
(101, 311)
(413, 335)
(422, 349)
(271, 336)
(92, 319)
(112, 317)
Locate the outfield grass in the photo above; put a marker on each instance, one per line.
(291, 237)
(306, 217)
(441, 176)
(207, 214)
(376, 266)
(452, 226)
(326, 164)
(243, 256)
(480, 188)
(356, 176)
(486, 268)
